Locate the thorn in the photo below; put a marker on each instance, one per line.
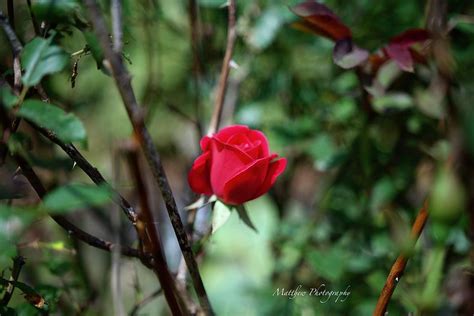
(73, 165)
(225, 4)
(16, 173)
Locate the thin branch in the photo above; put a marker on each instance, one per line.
(115, 273)
(116, 12)
(89, 169)
(144, 301)
(16, 54)
(10, 33)
(18, 263)
(221, 89)
(399, 266)
(123, 82)
(33, 19)
(71, 229)
(11, 13)
(150, 236)
(195, 40)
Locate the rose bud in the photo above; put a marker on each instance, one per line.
(236, 165)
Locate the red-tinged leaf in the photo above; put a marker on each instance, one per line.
(309, 28)
(399, 48)
(321, 20)
(401, 55)
(410, 37)
(347, 55)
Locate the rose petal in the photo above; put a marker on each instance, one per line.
(274, 170)
(259, 136)
(239, 139)
(224, 134)
(204, 143)
(199, 176)
(227, 161)
(245, 185)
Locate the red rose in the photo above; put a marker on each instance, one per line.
(236, 165)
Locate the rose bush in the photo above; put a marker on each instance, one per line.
(236, 165)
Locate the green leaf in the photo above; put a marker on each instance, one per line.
(70, 197)
(9, 251)
(40, 58)
(212, 3)
(94, 46)
(23, 214)
(267, 27)
(244, 216)
(325, 152)
(434, 271)
(55, 11)
(220, 215)
(7, 97)
(393, 101)
(329, 263)
(383, 192)
(66, 126)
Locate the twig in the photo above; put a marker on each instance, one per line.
(221, 89)
(150, 235)
(71, 229)
(399, 266)
(11, 13)
(116, 12)
(18, 263)
(195, 39)
(219, 101)
(10, 33)
(33, 19)
(123, 82)
(145, 301)
(89, 169)
(115, 273)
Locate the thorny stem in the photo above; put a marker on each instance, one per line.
(89, 169)
(72, 230)
(144, 301)
(399, 266)
(150, 236)
(134, 111)
(221, 89)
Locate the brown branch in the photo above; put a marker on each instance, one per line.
(123, 82)
(10, 33)
(195, 40)
(33, 19)
(71, 229)
(116, 12)
(150, 237)
(144, 301)
(89, 169)
(399, 266)
(221, 89)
